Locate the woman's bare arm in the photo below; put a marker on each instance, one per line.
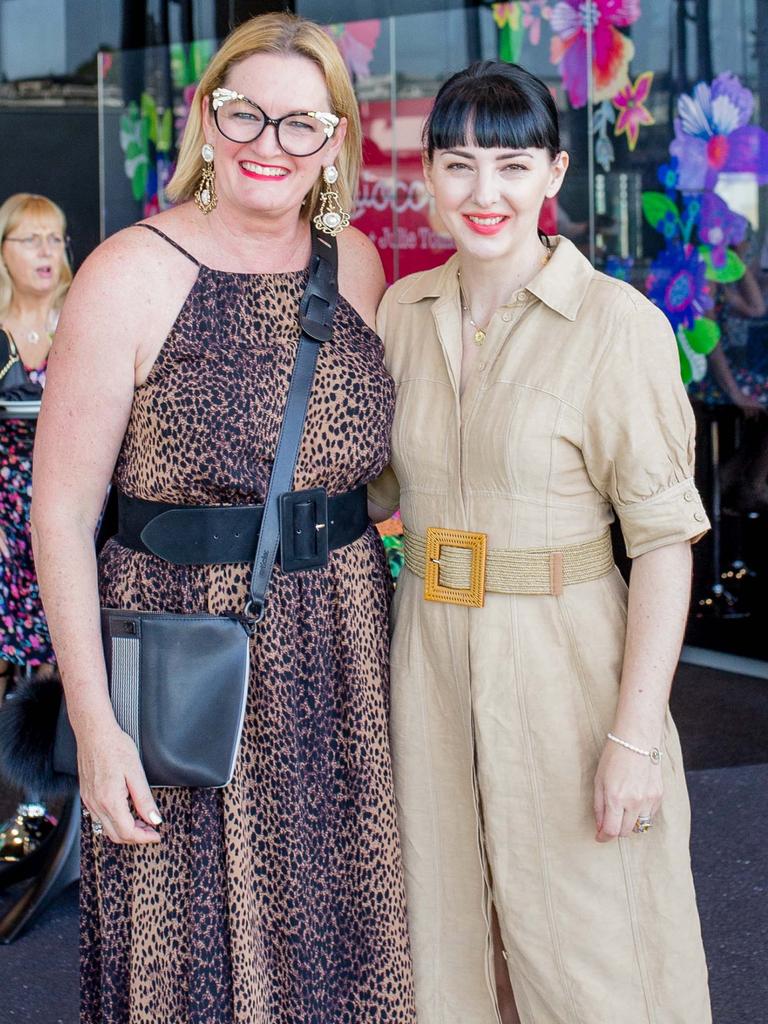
(361, 275)
(361, 282)
(118, 303)
(628, 784)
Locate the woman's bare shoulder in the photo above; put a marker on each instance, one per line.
(131, 270)
(361, 275)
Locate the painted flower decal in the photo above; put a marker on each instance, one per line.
(712, 135)
(533, 15)
(145, 138)
(604, 116)
(668, 175)
(357, 41)
(630, 102)
(612, 51)
(506, 15)
(719, 225)
(678, 284)
(619, 268)
(509, 21)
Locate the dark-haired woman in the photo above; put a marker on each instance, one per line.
(543, 807)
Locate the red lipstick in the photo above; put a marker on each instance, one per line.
(266, 177)
(488, 228)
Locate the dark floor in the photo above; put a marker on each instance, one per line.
(723, 720)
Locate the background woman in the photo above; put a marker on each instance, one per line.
(537, 399)
(34, 277)
(279, 898)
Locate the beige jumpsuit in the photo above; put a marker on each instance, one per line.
(575, 412)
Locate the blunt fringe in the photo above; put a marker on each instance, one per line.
(494, 105)
(280, 33)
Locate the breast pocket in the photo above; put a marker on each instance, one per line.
(423, 433)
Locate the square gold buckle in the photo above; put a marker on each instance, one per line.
(472, 596)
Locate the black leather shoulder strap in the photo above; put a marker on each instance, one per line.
(316, 310)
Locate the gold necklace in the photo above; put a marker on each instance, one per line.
(480, 332)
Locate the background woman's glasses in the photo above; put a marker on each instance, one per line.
(33, 242)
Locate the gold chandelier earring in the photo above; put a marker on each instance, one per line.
(332, 217)
(205, 196)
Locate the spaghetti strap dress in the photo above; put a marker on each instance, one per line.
(278, 899)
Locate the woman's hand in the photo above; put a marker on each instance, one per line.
(5, 551)
(751, 407)
(111, 773)
(627, 785)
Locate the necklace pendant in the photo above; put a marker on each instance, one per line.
(479, 336)
(33, 337)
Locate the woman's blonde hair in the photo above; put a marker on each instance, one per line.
(284, 34)
(12, 212)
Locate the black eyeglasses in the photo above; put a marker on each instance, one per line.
(241, 120)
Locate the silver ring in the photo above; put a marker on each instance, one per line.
(96, 827)
(643, 824)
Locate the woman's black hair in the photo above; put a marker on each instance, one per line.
(494, 105)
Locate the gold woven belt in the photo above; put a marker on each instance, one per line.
(458, 569)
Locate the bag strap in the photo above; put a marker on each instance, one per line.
(9, 354)
(316, 310)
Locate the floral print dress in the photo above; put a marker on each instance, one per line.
(24, 638)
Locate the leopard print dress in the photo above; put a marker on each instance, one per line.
(279, 899)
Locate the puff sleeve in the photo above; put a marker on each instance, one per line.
(639, 432)
(385, 490)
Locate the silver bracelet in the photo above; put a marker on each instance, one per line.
(654, 753)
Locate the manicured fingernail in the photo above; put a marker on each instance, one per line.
(155, 818)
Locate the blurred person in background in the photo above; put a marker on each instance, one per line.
(34, 278)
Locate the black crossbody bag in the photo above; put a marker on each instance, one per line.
(178, 683)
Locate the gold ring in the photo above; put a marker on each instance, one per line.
(643, 824)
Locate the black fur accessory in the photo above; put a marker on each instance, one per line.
(28, 720)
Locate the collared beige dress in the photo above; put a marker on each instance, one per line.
(575, 412)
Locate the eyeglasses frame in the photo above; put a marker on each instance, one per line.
(329, 121)
(65, 240)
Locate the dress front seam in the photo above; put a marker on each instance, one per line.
(629, 889)
(637, 941)
(543, 859)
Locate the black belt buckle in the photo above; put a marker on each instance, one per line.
(304, 530)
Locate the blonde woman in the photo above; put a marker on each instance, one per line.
(280, 897)
(34, 277)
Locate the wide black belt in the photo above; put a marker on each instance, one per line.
(311, 525)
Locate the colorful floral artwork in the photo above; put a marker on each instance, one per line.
(509, 21)
(604, 116)
(357, 42)
(579, 26)
(619, 268)
(712, 135)
(630, 102)
(533, 16)
(149, 132)
(146, 140)
(678, 284)
(571, 22)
